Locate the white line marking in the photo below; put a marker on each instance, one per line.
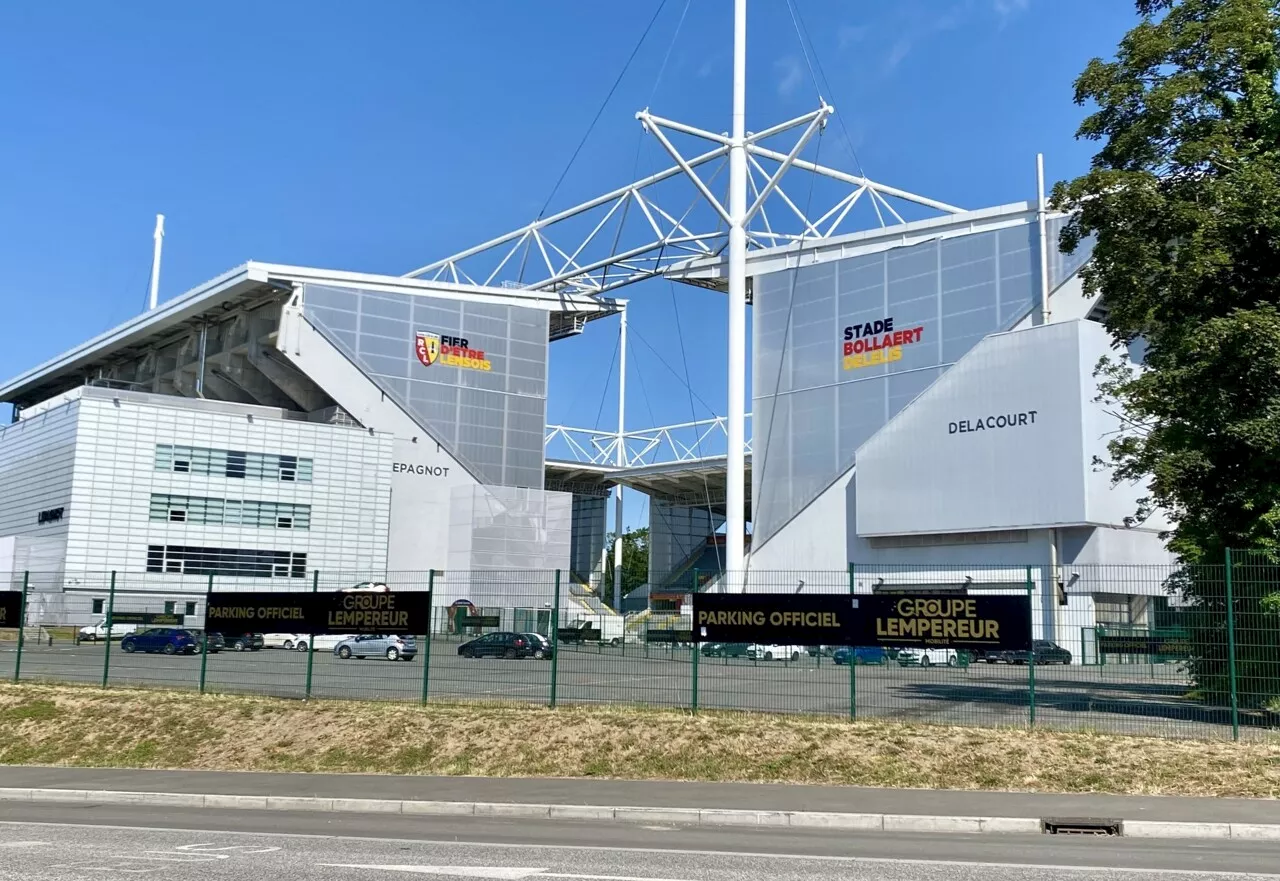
(23, 843)
(509, 874)
(596, 848)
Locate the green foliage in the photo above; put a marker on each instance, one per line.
(1183, 204)
(635, 561)
(1183, 201)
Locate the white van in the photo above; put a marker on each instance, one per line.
(97, 632)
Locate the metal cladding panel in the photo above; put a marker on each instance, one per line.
(814, 402)
(488, 411)
(996, 443)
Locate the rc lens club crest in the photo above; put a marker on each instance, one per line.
(428, 346)
(452, 351)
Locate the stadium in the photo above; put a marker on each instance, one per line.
(924, 408)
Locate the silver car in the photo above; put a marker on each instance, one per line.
(393, 648)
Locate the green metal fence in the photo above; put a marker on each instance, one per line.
(1165, 651)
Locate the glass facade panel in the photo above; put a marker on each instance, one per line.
(474, 375)
(841, 347)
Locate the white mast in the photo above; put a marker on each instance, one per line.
(735, 519)
(155, 260)
(620, 458)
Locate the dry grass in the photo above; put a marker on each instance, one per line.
(88, 727)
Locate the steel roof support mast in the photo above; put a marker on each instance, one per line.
(735, 499)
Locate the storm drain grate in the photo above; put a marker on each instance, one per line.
(1081, 826)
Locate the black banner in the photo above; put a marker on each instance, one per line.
(663, 637)
(1145, 644)
(775, 618)
(154, 619)
(318, 614)
(578, 634)
(993, 622)
(10, 608)
(480, 621)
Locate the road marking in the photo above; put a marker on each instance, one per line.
(23, 843)
(507, 873)
(596, 848)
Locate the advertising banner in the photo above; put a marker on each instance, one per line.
(775, 618)
(10, 608)
(320, 613)
(152, 619)
(1171, 645)
(480, 621)
(989, 622)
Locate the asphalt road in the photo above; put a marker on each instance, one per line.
(49, 841)
(1137, 699)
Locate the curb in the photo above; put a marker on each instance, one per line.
(621, 814)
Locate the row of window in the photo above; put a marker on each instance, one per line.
(244, 563)
(230, 512)
(232, 463)
(170, 607)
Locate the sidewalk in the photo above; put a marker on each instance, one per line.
(682, 802)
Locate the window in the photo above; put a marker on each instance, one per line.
(230, 512)
(190, 609)
(170, 607)
(98, 606)
(238, 464)
(241, 562)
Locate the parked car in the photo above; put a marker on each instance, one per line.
(932, 657)
(286, 641)
(216, 642)
(725, 650)
(775, 652)
(500, 644)
(98, 631)
(161, 639)
(243, 642)
(368, 645)
(1046, 652)
(541, 645)
(861, 655)
(323, 643)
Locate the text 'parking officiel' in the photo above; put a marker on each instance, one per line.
(952, 618)
(359, 611)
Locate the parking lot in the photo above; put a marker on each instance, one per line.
(1132, 698)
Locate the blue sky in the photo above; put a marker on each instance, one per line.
(380, 136)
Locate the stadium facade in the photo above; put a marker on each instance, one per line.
(924, 409)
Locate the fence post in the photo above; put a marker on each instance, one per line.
(311, 639)
(204, 655)
(696, 648)
(426, 649)
(111, 608)
(1231, 652)
(1031, 654)
(853, 663)
(555, 639)
(22, 625)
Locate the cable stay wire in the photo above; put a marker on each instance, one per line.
(802, 32)
(782, 360)
(600, 112)
(697, 436)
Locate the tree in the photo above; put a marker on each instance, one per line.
(1183, 203)
(635, 561)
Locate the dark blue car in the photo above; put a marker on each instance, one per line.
(861, 655)
(161, 639)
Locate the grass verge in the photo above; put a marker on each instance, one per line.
(88, 727)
